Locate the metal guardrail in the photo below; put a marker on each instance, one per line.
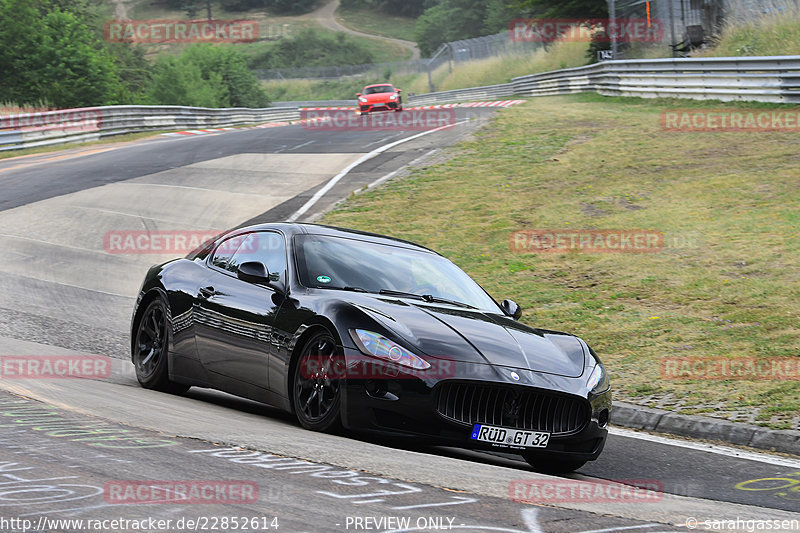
(491, 92)
(29, 130)
(318, 103)
(758, 79)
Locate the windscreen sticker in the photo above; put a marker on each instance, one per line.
(323, 279)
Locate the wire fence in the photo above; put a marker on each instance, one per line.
(455, 51)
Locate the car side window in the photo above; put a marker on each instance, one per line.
(267, 247)
(225, 251)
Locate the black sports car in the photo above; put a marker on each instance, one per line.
(372, 333)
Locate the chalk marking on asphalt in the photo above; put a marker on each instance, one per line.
(531, 518)
(366, 157)
(380, 140)
(455, 527)
(711, 448)
(622, 528)
(457, 500)
(300, 146)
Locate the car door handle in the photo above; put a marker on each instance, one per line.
(207, 292)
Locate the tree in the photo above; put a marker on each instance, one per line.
(311, 48)
(205, 76)
(52, 58)
(74, 70)
(572, 9)
(452, 20)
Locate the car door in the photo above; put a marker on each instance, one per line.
(234, 317)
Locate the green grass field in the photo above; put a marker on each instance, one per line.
(377, 23)
(725, 285)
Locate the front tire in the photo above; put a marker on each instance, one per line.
(316, 387)
(553, 465)
(151, 349)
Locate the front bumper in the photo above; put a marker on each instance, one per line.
(382, 106)
(387, 401)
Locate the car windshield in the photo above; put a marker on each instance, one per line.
(328, 262)
(379, 89)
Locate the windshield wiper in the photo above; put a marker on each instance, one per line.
(354, 289)
(389, 292)
(424, 297)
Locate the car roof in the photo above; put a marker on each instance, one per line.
(296, 228)
(379, 85)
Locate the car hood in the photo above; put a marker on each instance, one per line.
(377, 97)
(475, 336)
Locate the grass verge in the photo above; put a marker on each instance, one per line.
(377, 22)
(725, 285)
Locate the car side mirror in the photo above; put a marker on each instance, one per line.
(358, 94)
(253, 272)
(511, 308)
(256, 272)
(398, 90)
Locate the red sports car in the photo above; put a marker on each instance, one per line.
(382, 97)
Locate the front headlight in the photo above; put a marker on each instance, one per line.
(393, 97)
(598, 381)
(362, 99)
(375, 344)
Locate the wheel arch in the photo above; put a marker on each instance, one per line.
(147, 298)
(319, 324)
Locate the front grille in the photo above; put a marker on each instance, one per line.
(515, 407)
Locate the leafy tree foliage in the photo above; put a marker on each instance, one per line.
(407, 8)
(205, 76)
(279, 7)
(52, 58)
(452, 20)
(573, 9)
(311, 49)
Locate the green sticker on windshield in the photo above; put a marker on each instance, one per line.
(323, 279)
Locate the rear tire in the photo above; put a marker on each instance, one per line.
(151, 349)
(553, 465)
(316, 387)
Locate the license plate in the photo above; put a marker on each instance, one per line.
(510, 437)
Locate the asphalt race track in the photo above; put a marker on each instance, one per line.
(67, 443)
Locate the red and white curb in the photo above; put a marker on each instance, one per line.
(197, 132)
(498, 103)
